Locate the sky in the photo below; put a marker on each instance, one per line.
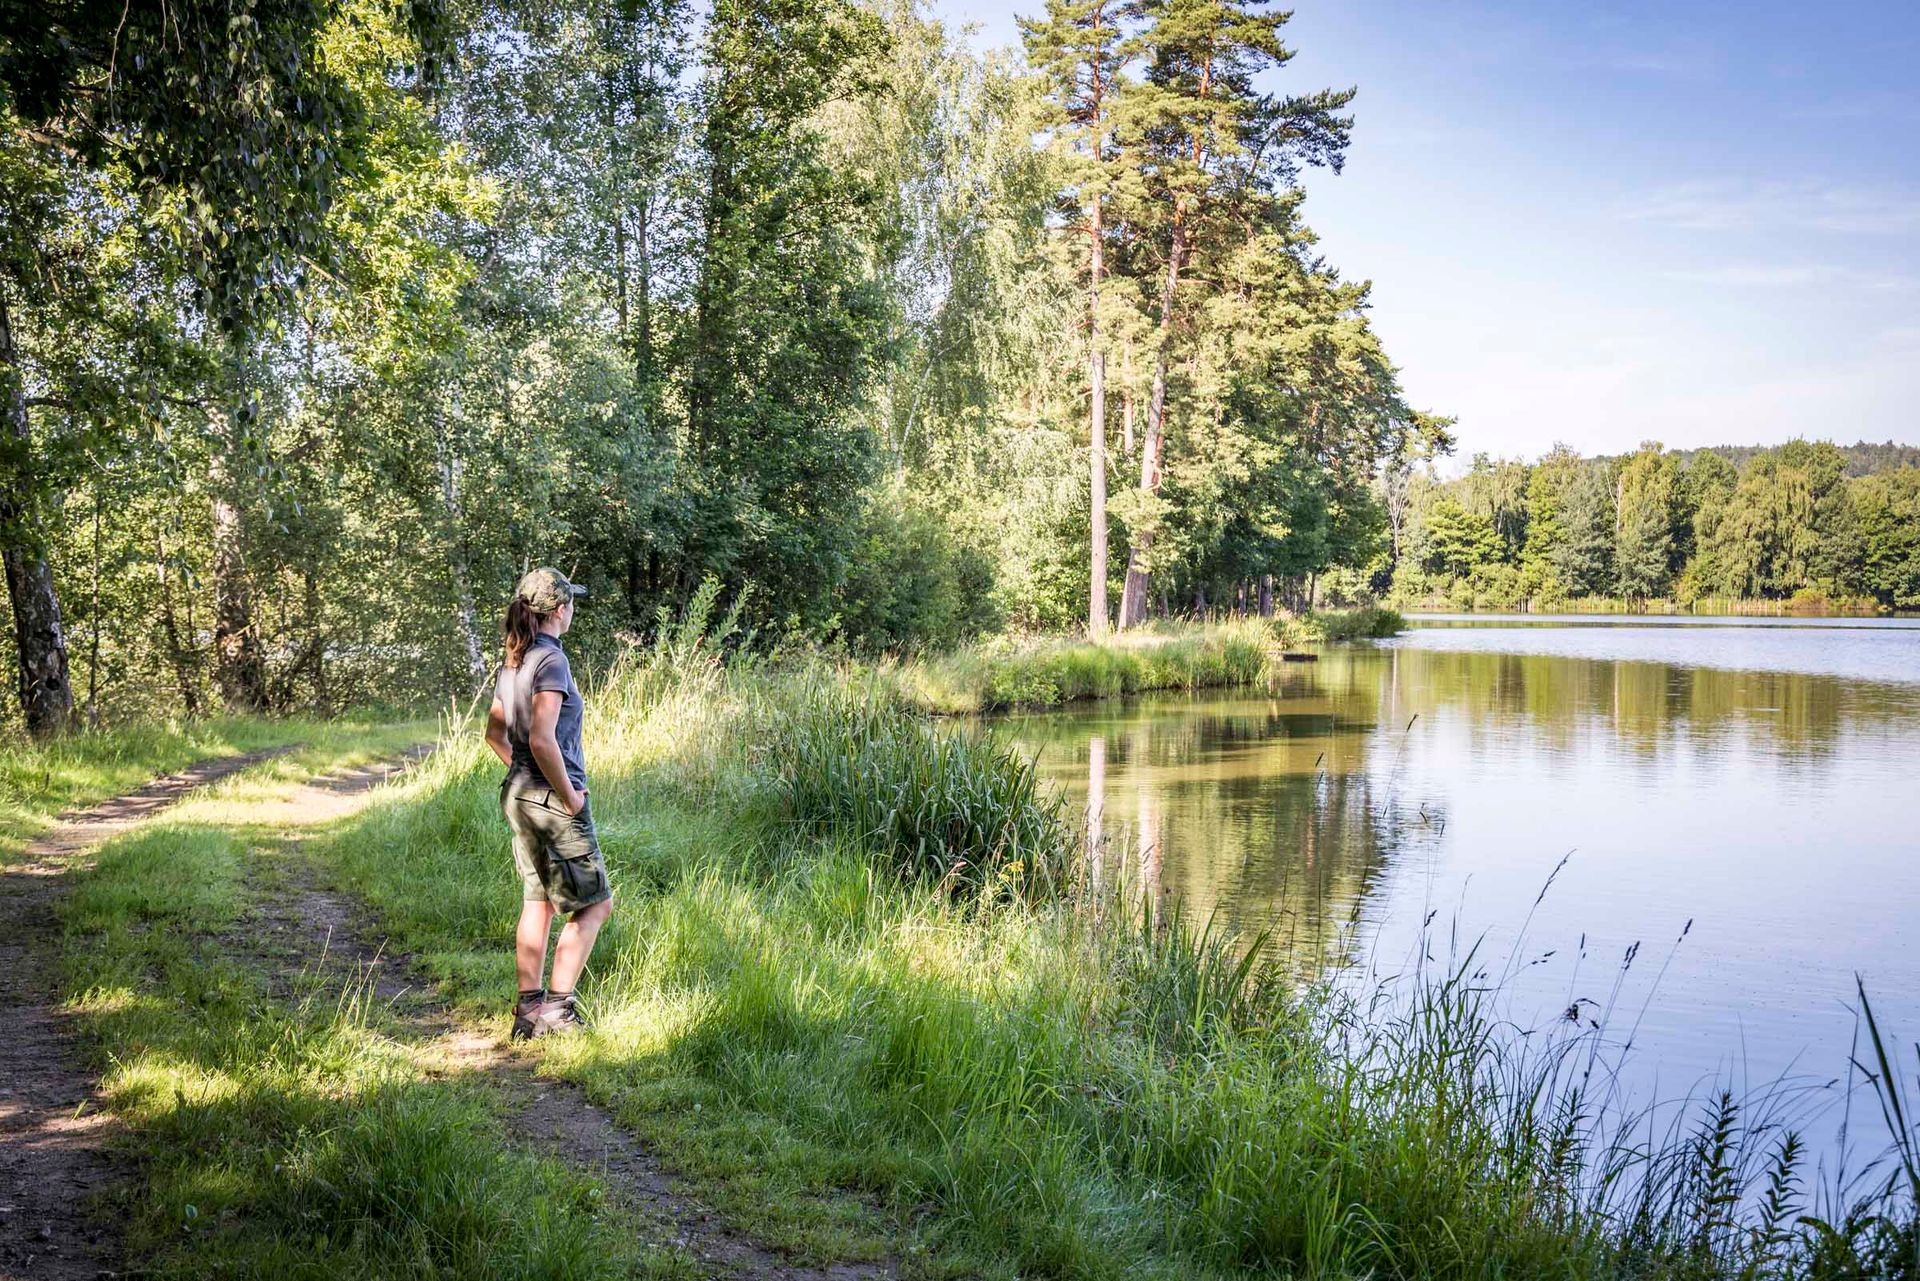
(1607, 223)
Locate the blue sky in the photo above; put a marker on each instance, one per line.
(1697, 223)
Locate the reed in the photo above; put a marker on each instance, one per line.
(1026, 673)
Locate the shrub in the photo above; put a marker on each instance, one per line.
(911, 584)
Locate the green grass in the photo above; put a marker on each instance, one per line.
(296, 1137)
(1011, 672)
(795, 998)
(40, 780)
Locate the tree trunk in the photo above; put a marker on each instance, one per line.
(713, 286)
(616, 155)
(46, 697)
(643, 302)
(1097, 435)
(1133, 601)
(176, 650)
(240, 669)
(1266, 595)
(452, 467)
(620, 275)
(1133, 597)
(93, 621)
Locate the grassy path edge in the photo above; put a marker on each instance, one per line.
(178, 995)
(57, 1145)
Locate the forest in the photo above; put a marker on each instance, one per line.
(319, 325)
(1818, 526)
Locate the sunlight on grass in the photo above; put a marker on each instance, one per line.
(1035, 672)
(298, 1138)
(1075, 1086)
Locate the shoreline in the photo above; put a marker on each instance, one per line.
(856, 949)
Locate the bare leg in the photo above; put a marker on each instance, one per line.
(576, 944)
(530, 942)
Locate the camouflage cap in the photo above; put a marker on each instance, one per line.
(546, 589)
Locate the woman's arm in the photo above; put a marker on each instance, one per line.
(497, 733)
(546, 749)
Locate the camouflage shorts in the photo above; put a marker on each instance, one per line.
(556, 853)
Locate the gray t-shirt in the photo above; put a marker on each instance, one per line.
(543, 669)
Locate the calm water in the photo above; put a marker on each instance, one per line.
(1757, 778)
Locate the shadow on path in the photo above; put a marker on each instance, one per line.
(305, 934)
(54, 1152)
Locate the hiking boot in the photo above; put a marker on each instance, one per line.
(553, 1018)
(526, 1018)
(558, 1017)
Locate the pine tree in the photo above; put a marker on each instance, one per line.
(1204, 142)
(1079, 48)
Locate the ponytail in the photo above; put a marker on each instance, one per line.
(517, 632)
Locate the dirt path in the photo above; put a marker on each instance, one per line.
(54, 1154)
(304, 932)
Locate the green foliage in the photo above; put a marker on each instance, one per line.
(1645, 517)
(910, 585)
(1888, 510)
(1791, 526)
(774, 294)
(1370, 622)
(1458, 541)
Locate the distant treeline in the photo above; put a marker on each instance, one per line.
(1826, 525)
(1863, 457)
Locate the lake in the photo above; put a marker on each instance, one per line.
(1750, 784)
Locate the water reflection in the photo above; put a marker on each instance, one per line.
(1263, 813)
(1366, 792)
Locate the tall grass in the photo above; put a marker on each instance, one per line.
(1009, 672)
(1321, 626)
(816, 975)
(947, 804)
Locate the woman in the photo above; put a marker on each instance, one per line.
(534, 727)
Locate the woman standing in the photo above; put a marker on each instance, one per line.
(534, 727)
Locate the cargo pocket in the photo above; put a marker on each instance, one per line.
(582, 881)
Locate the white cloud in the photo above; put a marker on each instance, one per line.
(1791, 276)
(1730, 205)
